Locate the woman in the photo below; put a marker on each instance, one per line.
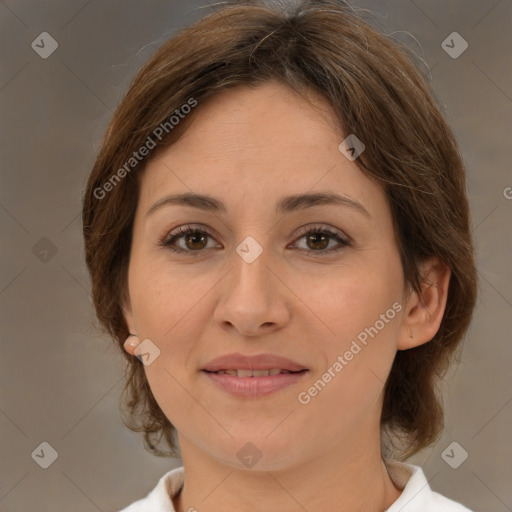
(277, 232)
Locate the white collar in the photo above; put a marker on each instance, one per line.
(417, 496)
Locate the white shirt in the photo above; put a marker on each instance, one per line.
(417, 496)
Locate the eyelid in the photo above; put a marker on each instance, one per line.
(334, 233)
(303, 230)
(343, 240)
(182, 230)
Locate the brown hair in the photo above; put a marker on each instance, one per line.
(378, 93)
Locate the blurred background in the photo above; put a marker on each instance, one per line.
(64, 67)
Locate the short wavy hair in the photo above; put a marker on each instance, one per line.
(378, 91)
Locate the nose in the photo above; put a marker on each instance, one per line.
(253, 300)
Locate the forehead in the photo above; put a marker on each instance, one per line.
(256, 143)
(245, 119)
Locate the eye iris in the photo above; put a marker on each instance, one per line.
(314, 237)
(196, 236)
(196, 240)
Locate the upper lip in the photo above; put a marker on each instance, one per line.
(237, 361)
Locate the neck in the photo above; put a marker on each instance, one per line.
(348, 480)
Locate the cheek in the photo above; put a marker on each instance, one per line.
(350, 300)
(360, 312)
(168, 309)
(165, 297)
(169, 313)
(356, 362)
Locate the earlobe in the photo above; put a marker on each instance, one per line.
(131, 343)
(424, 312)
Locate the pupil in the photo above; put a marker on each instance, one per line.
(319, 235)
(196, 236)
(315, 239)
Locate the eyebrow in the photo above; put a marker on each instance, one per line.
(283, 205)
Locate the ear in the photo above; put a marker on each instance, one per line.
(424, 312)
(129, 344)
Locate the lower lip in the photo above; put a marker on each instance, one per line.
(254, 387)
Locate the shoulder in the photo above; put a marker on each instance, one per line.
(417, 496)
(159, 499)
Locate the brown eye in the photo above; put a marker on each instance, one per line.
(194, 240)
(317, 241)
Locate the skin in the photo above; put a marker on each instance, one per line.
(249, 147)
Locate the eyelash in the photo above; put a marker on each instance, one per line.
(169, 240)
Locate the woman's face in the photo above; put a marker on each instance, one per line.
(254, 282)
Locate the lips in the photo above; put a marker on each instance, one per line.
(260, 365)
(253, 377)
(253, 373)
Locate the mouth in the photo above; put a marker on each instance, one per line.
(253, 376)
(255, 373)
(246, 383)
(236, 363)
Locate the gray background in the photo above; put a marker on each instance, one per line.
(61, 382)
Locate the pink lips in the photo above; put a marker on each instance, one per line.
(237, 361)
(258, 385)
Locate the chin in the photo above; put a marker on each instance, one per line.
(255, 450)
